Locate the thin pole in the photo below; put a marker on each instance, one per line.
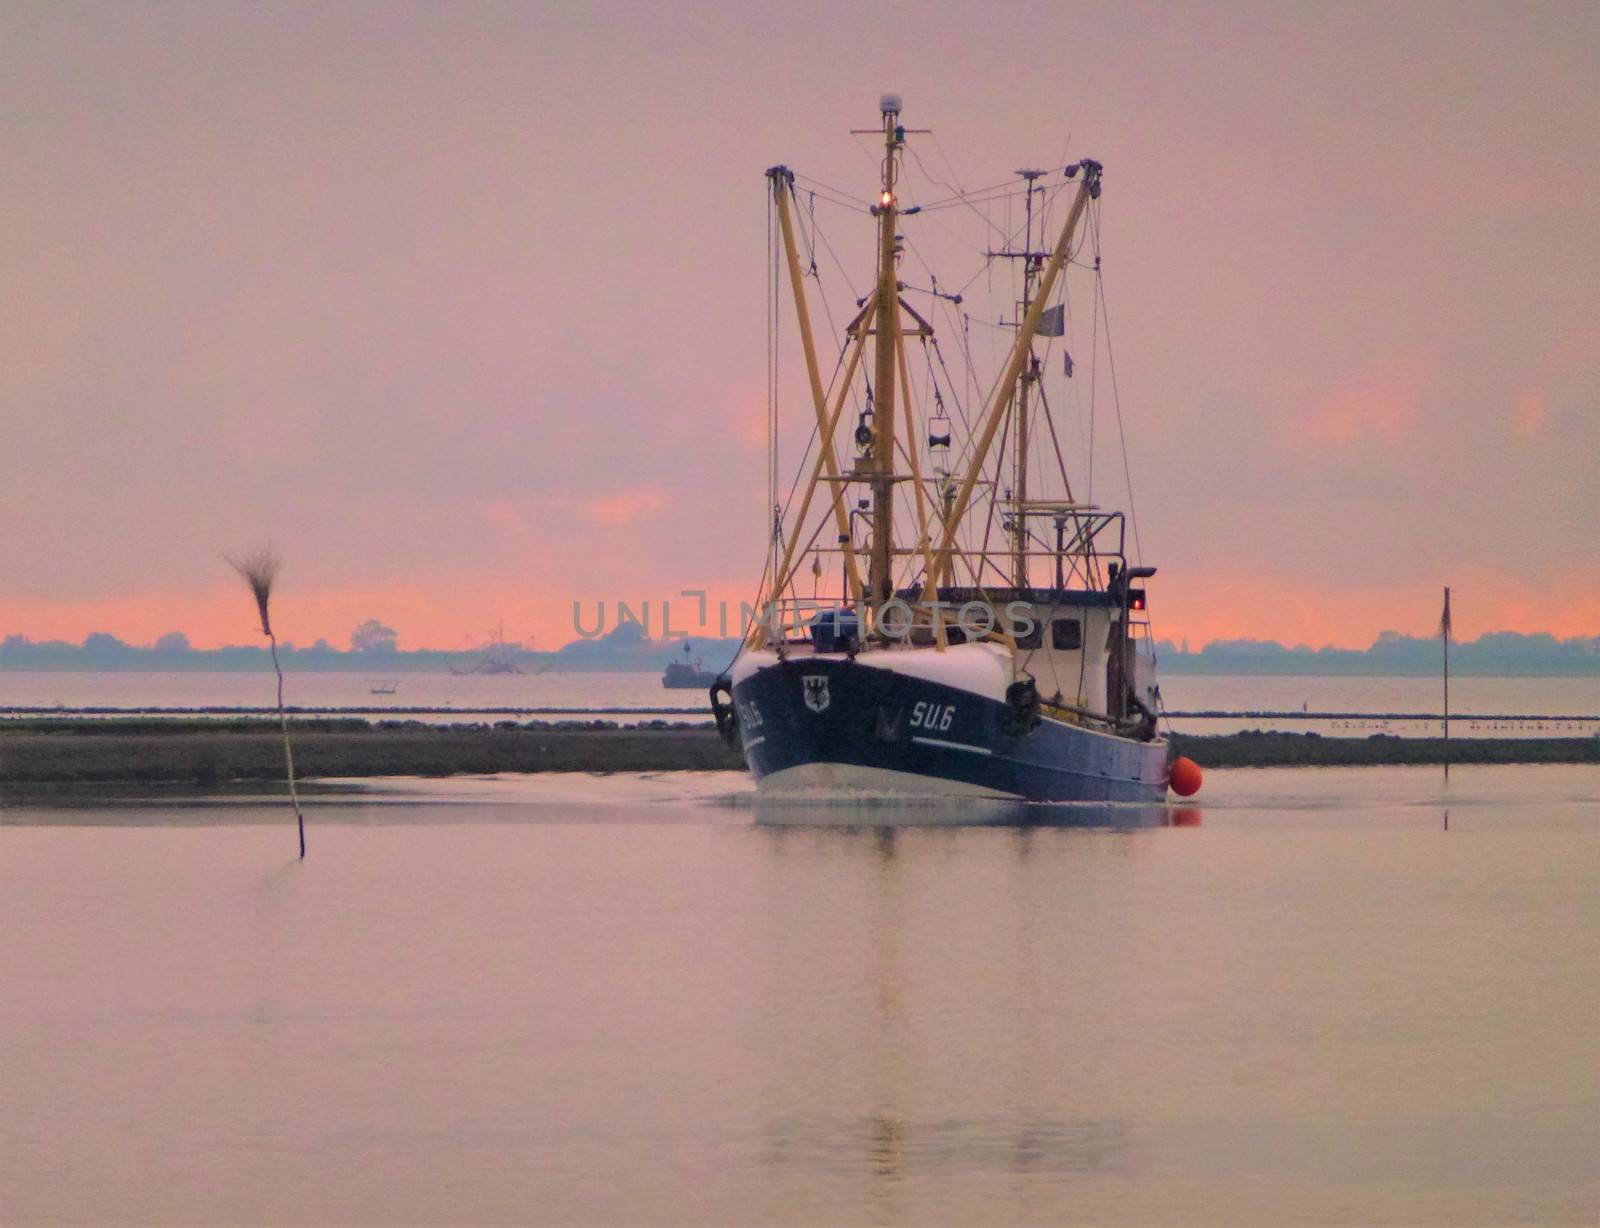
(1019, 484)
(880, 570)
(258, 569)
(288, 754)
(913, 455)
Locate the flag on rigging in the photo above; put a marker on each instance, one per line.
(1066, 364)
(1053, 322)
(1444, 619)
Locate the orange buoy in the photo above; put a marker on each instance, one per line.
(1185, 777)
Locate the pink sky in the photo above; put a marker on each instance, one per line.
(461, 305)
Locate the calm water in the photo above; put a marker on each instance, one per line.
(644, 1000)
(465, 696)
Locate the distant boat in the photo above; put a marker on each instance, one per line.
(686, 676)
(384, 686)
(496, 657)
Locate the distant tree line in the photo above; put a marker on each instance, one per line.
(374, 649)
(373, 646)
(1502, 653)
(100, 651)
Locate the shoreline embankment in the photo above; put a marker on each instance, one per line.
(220, 751)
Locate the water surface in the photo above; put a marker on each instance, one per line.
(1324, 996)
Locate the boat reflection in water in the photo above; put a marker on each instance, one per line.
(887, 811)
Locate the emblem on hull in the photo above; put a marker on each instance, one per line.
(815, 689)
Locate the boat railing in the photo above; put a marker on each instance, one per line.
(1068, 544)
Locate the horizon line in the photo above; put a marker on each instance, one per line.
(1176, 645)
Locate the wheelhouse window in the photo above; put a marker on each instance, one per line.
(1066, 634)
(1035, 634)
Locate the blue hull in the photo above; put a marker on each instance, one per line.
(828, 722)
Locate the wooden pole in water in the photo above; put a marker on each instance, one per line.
(258, 569)
(288, 754)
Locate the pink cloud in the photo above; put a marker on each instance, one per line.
(1569, 355)
(1382, 405)
(1266, 604)
(1528, 414)
(625, 505)
(504, 514)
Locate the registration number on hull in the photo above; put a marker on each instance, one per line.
(938, 717)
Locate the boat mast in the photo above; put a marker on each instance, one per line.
(880, 583)
(1031, 262)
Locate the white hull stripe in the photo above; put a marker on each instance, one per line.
(971, 750)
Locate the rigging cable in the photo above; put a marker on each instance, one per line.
(1116, 398)
(773, 290)
(835, 196)
(1094, 382)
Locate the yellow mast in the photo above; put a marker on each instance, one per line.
(886, 344)
(782, 179)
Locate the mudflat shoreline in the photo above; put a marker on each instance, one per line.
(212, 752)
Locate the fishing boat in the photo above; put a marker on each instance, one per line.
(495, 657)
(984, 632)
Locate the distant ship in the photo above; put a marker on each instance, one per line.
(684, 676)
(384, 686)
